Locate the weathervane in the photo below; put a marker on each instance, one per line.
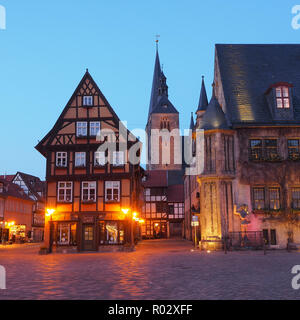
(157, 40)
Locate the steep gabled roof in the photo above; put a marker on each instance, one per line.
(214, 117)
(59, 123)
(248, 70)
(192, 124)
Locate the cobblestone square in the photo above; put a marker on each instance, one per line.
(158, 269)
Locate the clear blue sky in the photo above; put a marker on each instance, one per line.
(48, 45)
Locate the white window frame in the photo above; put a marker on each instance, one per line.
(65, 185)
(80, 159)
(87, 100)
(61, 159)
(95, 128)
(118, 158)
(81, 129)
(89, 185)
(99, 159)
(113, 186)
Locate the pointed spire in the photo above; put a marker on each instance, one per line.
(214, 117)
(192, 124)
(155, 83)
(203, 102)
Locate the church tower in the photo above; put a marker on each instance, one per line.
(163, 136)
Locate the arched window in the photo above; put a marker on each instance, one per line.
(282, 97)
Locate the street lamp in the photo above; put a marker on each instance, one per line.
(131, 217)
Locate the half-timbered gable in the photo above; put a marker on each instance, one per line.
(88, 168)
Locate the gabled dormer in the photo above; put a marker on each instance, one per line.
(280, 101)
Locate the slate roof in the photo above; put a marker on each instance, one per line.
(159, 103)
(248, 70)
(214, 117)
(203, 102)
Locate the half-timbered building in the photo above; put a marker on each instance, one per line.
(89, 175)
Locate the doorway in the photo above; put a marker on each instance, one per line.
(88, 237)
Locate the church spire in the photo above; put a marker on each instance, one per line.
(203, 102)
(192, 125)
(155, 83)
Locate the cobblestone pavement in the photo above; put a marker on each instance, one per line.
(158, 269)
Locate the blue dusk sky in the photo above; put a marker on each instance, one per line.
(47, 45)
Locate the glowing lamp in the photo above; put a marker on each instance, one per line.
(50, 212)
(125, 211)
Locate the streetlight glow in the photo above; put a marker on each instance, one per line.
(50, 212)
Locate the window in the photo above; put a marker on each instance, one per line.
(266, 236)
(118, 158)
(112, 191)
(274, 198)
(100, 159)
(282, 97)
(176, 210)
(259, 198)
(296, 198)
(294, 149)
(263, 149)
(94, 128)
(81, 129)
(111, 232)
(79, 159)
(89, 191)
(270, 149)
(65, 191)
(87, 100)
(61, 159)
(273, 237)
(66, 234)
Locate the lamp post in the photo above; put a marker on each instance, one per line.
(132, 216)
(48, 216)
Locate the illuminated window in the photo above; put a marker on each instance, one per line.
(89, 191)
(65, 191)
(259, 198)
(282, 97)
(61, 159)
(274, 198)
(87, 100)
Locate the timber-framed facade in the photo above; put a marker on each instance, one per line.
(88, 186)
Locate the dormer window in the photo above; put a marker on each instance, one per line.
(87, 100)
(282, 97)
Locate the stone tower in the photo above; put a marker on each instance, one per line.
(163, 136)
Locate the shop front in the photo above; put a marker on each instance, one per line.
(88, 233)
